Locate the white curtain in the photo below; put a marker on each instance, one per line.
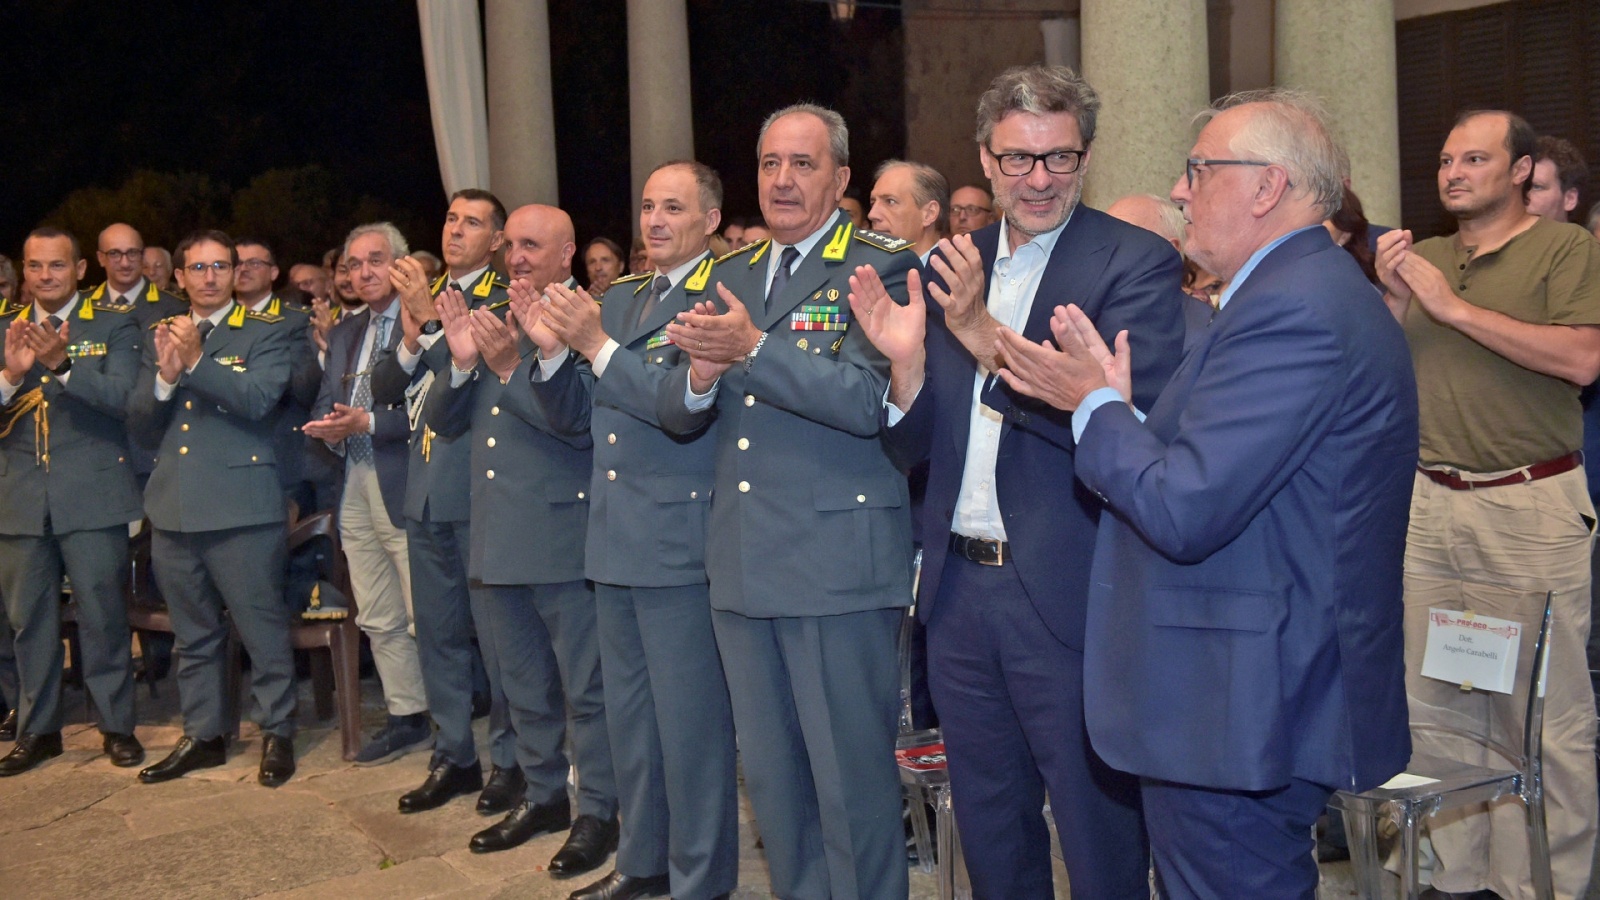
(452, 52)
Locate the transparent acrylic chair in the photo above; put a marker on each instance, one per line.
(1505, 761)
(925, 776)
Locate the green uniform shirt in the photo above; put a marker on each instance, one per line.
(1479, 411)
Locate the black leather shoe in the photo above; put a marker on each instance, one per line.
(189, 755)
(618, 886)
(8, 726)
(591, 841)
(444, 782)
(523, 823)
(124, 749)
(504, 790)
(31, 749)
(277, 760)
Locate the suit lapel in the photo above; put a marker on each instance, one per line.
(987, 240)
(353, 337)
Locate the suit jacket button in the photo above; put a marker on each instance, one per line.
(744, 443)
(494, 411)
(188, 404)
(744, 487)
(694, 495)
(611, 439)
(254, 459)
(44, 379)
(183, 451)
(580, 495)
(489, 475)
(491, 442)
(749, 400)
(611, 474)
(184, 427)
(861, 498)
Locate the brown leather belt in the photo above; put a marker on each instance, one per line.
(979, 550)
(1521, 476)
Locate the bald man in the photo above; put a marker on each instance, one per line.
(535, 613)
(158, 267)
(121, 253)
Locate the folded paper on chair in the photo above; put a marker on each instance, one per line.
(1476, 652)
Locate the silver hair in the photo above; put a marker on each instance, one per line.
(397, 241)
(1171, 218)
(1290, 128)
(838, 132)
(1038, 90)
(928, 185)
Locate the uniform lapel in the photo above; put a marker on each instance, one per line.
(813, 272)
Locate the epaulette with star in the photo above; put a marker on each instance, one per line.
(627, 278)
(262, 316)
(745, 249)
(108, 306)
(882, 241)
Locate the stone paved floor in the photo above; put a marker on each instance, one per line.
(77, 827)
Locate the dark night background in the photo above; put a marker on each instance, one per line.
(295, 121)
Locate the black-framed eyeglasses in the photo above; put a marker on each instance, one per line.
(219, 267)
(1056, 162)
(1190, 164)
(129, 255)
(253, 264)
(962, 210)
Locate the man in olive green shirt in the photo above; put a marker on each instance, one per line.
(1503, 319)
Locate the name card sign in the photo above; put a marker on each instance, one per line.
(1471, 650)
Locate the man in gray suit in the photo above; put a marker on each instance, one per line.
(206, 393)
(67, 494)
(666, 699)
(535, 612)
(809, 551)
(436, 510)
(372, 438)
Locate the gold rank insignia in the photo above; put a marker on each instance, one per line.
(839, 243)
(152, 294)
(882, 241)
(108, 307)
(484, 285)
(696, 282)
(252, 314)
(761, 250)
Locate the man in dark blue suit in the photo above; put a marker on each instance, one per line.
(374, 439)
(1243, 650)
(1008, 534)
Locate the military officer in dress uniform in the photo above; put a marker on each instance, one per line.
(666, 698)
(121, 254)
(535, 612)
(301, 466)
(67, 494)
(809, 550)
(437, 507)
(210, 383)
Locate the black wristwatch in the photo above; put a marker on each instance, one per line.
(431, 326)
(64, 368)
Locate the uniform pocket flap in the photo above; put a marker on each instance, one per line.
(860, 493)
(681, 488)
(1202, 607)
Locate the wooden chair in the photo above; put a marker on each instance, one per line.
(340, 637)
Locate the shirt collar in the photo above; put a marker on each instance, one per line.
(470, 279)
(804, 245)
(131, 294)
(216, 318)
(262, 304)
(1046, 241)
(39, 315)
(677, 275)
(1251, 263)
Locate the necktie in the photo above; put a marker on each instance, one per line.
(358, 448)
(54, 322)
(658, 289)
(780, 278)
(204, 326)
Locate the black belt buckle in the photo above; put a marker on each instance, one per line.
(978, 550)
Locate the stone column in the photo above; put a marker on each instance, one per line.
(522, 125)
(1148, 61)
(1343, 51)
(660, 117)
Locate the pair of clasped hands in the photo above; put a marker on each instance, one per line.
(30, 342)
(1060, 373)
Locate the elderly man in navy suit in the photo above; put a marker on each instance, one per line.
(1008, 533)
(374, 439)
(1243, 650)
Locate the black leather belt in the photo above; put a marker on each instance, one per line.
(979, 550)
